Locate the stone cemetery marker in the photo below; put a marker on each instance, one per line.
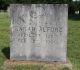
(38, 32)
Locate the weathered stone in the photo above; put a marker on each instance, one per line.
(38, 32)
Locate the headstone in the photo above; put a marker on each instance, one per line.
(38, 32)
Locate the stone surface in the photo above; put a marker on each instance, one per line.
(38, 32)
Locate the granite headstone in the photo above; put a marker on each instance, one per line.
(38, 32)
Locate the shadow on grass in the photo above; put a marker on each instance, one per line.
(75, 17)
(6, 52)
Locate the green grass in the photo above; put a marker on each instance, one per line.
(4, 36)
(73, 44)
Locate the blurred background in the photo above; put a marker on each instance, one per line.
(73, 5)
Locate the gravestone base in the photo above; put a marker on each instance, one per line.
(52, 65)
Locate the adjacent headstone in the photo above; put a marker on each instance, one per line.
(38, 32)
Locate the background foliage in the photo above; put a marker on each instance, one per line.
(73, 6)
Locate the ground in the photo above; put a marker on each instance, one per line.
(73, 44)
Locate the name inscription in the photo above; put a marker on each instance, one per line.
(25, 32)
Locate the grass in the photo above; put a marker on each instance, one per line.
(73, 44)
(4, 36)
(29, 67)
(65, 68)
